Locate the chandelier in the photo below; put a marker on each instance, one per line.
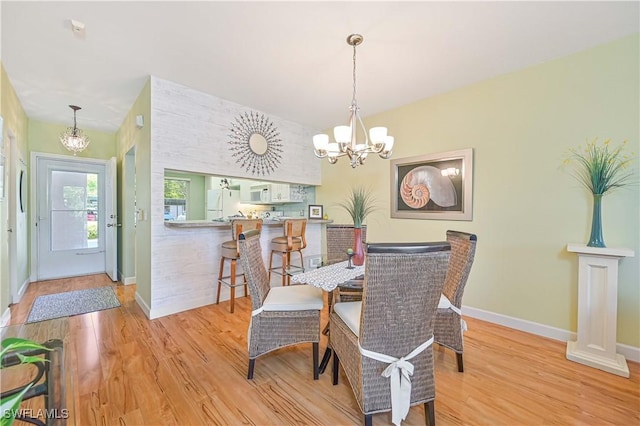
(346, 137)
(73, 138)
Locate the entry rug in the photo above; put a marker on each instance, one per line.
(71, 303)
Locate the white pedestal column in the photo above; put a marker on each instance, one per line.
(597, 309)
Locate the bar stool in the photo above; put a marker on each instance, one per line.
(230, 251)
(293, 240)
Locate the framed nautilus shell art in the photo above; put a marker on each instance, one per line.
(433, 186)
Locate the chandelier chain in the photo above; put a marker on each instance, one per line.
(354, 75)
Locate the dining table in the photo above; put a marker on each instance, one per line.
(326, 275)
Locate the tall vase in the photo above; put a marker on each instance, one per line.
(596, 240)
(358, 250)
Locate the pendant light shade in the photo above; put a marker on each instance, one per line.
(73, 138)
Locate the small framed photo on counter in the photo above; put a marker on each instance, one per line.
(315, 211)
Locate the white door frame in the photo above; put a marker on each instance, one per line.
(15, 164)
(33, 213)
(111, 213)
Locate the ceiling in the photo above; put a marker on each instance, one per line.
(288, 59)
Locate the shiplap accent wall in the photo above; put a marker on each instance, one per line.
(189, 132)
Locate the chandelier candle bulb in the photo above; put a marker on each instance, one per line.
(378, 134)
(342, 134)
(321, 142)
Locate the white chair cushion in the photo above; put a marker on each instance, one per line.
(294, 298)
(444, 303)
(349, 312)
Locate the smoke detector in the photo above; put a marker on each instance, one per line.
(77, 26)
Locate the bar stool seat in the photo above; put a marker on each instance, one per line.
(293, 240)
(281, 244)
(229, 250)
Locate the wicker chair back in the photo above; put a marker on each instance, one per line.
(253, 267)
(400, 298)
(339, 239)
(463, 250)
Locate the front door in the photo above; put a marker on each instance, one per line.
(72, 217)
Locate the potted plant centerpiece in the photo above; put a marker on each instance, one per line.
(359, 205)
(601, 169)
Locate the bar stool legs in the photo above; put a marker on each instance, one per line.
(286, 263)
(232, 281)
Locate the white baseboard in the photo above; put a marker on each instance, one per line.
(128, 280)
(21, 291)
(6, 318)
(631, 353)
(143, 305)
(168, 310)
(176, 308)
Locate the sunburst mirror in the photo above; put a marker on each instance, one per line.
(255, 143)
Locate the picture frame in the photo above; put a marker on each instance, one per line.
(433, 186)
(315, 211)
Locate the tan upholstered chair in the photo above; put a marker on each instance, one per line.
(229, 251)
(449, 325)
(293, 240)
(280, 316)
(394, 320)
(339, 239)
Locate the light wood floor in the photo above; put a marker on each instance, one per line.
(190, 369)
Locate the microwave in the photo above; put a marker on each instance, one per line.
(260, 195)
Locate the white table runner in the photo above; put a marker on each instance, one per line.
(328, 277)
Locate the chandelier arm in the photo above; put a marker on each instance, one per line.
(322, 153)
(364, 130)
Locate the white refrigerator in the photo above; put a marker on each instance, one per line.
(222, 203)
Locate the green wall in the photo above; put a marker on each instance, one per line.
(134, 144)
(196, 202)
(526, 205)
(45, 137)
(15, 121)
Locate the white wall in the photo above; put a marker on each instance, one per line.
(190, 132)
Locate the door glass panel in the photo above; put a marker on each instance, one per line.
(74, 210)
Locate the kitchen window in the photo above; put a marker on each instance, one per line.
(176, 195)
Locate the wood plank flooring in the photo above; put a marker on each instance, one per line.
(190, 369)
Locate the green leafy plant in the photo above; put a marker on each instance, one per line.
(10, 405)
(359, 204)
(601, 167)
(92, 230)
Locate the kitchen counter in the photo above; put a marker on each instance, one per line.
(216, 224)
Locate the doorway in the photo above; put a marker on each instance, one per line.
(75, 223)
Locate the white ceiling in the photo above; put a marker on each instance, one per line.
(289, 59)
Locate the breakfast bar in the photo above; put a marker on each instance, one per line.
(192, 264)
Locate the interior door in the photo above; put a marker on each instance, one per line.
(71, 217)
(111, 234)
